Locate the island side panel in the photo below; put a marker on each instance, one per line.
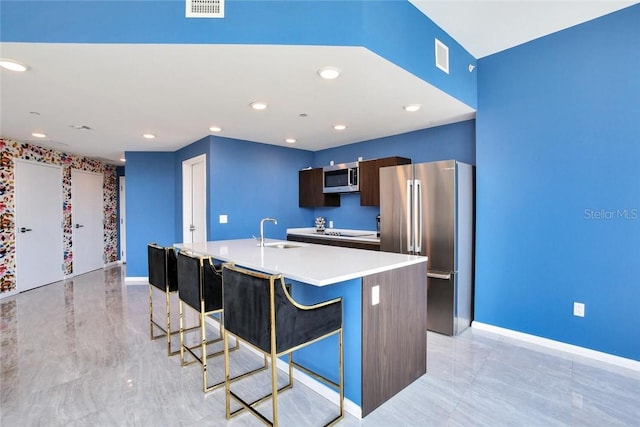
(394, 336)
(322, 356)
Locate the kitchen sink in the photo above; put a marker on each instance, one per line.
(281, 245)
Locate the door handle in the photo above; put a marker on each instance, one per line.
(192, 227)
(24, 229)
(79, 225)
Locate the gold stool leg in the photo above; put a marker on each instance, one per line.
(203, 336)
(274, 389)
(150, 312)
(341, 374)
(227, 391)
(167, 306)
(180, 315)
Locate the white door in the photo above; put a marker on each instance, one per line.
(87, 220)
(123, 221)
(194, 199)
(38, 221)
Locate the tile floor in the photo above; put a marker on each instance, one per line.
(78, 353)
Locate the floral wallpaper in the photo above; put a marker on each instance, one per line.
(12, 149)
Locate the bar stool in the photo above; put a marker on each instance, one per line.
(200, 287)
(163, 276)
(260, 311)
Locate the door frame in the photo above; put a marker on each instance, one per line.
(187, 190)
(122, 221)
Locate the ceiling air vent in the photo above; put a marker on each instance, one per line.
(204, 8)
(442, 56)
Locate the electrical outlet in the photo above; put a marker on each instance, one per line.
(223, 219)
(578, 309)
(330, 224)
(375, 295)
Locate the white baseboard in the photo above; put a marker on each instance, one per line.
(8, 294)
(136, 281)
(322, 389)
(315, 385)
(558, 345)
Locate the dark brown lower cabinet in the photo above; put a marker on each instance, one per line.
(394, 333)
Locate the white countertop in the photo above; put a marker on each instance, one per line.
(366, 236)
(318, 265)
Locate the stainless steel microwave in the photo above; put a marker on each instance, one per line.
(342, 178)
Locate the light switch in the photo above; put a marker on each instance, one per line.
(375, 295)
(223, 219)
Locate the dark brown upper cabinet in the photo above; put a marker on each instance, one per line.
(370, 178)
(310, 190)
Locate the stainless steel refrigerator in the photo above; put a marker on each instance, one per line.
(427, 209)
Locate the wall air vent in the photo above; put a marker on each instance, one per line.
(204, 8)
(442, 56)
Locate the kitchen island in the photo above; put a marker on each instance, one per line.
(384, 310)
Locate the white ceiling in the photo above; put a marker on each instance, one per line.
(485, 27)
(177, 92)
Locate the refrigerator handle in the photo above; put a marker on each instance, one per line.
(417, 216)
(408, 218)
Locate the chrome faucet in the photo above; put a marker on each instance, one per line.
(262, 221)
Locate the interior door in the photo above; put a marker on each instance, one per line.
(194, 199)
(87, 213)
(39, 249)
(123, 221)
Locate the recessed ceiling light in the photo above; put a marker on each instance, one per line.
(259, 105)
(329, 73)
(123, 160)
(39, 135)
(149, 135)
(11, 65)
(412, 107)
(215, 129)
(340, 127)
(290, 140)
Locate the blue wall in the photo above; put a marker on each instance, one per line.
(150, 199)
(558, 194)
(246, 181)
(251, 181)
